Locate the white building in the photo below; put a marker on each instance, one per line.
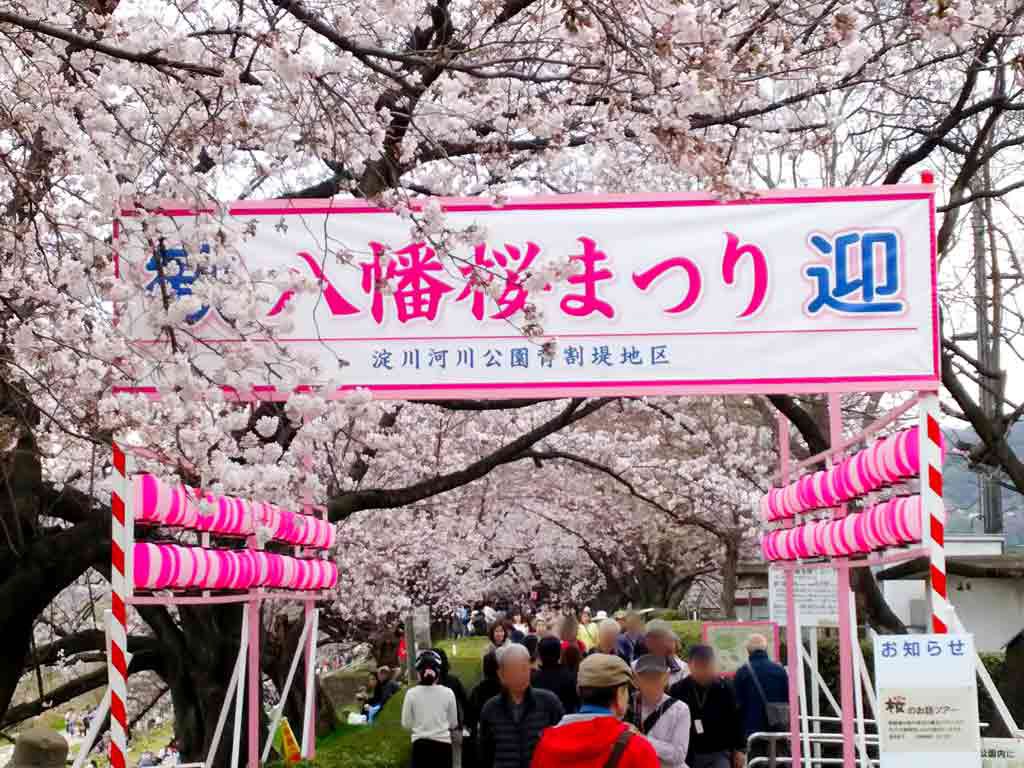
(986, 587)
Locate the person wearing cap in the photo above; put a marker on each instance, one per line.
(716, 731)
(431, 714)
(664, 720)
(554, 676)
(661, 640)
(587, 631)
(511, 723)
(596, 737)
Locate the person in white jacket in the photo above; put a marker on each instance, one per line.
(431, 714)
(665, 721)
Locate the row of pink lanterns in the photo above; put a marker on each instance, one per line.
(890, 460)
(889, 524)
(161, 504)
(169, 566)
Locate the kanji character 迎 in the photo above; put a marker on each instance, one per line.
(851, 283)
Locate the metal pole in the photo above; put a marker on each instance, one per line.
(933, 510)
(835, 422)
(815, 693)
(236, 737)
(309, 716)
(793, 644)
(255, 682)
(989, 492)
(802, 686)
(857, 687)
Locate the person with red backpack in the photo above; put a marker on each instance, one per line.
(596, 737)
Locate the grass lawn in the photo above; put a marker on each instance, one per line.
(689, 634)
(386, 744)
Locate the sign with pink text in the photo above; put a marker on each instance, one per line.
(558, 296)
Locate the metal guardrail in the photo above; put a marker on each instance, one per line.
(776, 760)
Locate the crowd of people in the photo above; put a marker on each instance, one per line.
(592, 692)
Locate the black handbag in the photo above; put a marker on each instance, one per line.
(777, 715)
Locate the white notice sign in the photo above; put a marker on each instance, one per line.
(816, 597)
(927, 701)
(1002, 753)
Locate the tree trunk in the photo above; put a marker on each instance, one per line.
(871, 603)
(729, 576)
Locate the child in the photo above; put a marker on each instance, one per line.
(430, 712)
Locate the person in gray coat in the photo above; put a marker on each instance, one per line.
(512, 722)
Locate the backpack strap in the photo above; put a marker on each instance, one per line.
(619, 749)
(757, 682)
(655, 716)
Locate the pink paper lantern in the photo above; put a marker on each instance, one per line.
(156, 502)
(845, 542)
(818, 489)
(808, 539)
(790, 544)
(855, 476)
(790, 502)
(837, 486)
(888, 467)
(887, 515)
(873, 465)
(821, 538)
(805, 493)
(870, 529)
(860, 533)
(914, 522)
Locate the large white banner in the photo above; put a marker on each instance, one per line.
(927, 701)
(665, 294)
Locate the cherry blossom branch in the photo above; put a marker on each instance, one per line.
(150, 59)
(694, 520)
(345, 505)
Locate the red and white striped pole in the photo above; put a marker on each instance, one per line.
(933, 510)
(122, 501)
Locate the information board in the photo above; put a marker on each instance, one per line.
(927, 701)
(729, 639)
(816, 593)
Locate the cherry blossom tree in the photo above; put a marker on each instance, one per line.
(121, 103)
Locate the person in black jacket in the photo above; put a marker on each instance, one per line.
(511, 723)
(488, 687)
(554, 676)
(716, 730)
